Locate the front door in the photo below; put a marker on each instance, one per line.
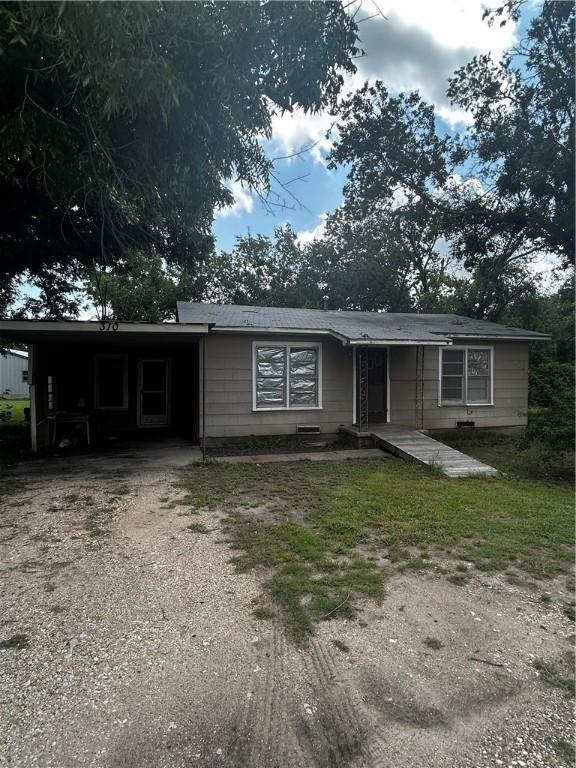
(153, 393)
(377, 386)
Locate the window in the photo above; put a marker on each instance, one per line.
(51, 393)
(111, 382)
(286, 376)
(466, 376)
(25, 376)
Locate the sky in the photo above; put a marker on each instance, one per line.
(409, 45)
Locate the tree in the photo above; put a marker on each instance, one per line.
(120, 122)
(258, 271)
(143, 287)
(503, 192)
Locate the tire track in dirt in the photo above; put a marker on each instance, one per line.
(337, 736)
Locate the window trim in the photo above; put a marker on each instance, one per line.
(464, 402)
(97, 406)
(317, 345)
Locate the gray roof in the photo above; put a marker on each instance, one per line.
(350, 327)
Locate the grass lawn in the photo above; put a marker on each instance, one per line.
(325, 535)
(13, 430)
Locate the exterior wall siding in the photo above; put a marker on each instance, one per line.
(229, 410)
(510, 394)
(228, 382)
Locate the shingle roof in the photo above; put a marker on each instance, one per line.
(352, 327)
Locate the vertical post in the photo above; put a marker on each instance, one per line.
(363, 388)
(33, 404)
(354, 389)
(419, 387)
(204, 397)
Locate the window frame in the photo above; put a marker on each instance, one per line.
(97, 406)
(25, 376)
(465, 402)
(287, 345)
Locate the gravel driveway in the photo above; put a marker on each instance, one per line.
(135, 645)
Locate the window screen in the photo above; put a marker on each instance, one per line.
(478, 379)
(286, 376)
(453, 375)
(466, 376)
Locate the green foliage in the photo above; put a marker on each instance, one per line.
(120, 122)
(142, 286)
(519, 200)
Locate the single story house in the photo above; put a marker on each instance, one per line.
(14, 374)
(225, 371)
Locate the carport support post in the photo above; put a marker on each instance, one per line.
(203, 439)
(33, 406)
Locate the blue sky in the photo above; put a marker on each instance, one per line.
(409, 45)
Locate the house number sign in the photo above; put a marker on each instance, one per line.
(108, 325)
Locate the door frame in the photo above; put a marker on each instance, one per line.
(168, 368)
(359, 419)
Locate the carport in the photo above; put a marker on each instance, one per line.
(92, 381)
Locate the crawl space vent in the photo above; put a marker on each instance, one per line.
(465, 423)
(307, 429)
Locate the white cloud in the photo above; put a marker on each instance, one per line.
(309, 235)
(294, 131)
(243, 201)
(416, 47)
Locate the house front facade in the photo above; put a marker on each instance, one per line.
(225, 371)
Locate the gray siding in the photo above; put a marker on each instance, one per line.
(11, 384)
(229, 389)
(510, 407)
(228, 377)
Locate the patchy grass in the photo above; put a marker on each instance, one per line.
(15, 643)
(309, 527)
(433, 643)
(122, 489)
(197, 528)
(551, 675)
(262, 613)
(341, 646)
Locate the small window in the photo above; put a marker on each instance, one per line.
(466, 376)
(111, 382)
(25, 376)
(286, 376)
(51, 393)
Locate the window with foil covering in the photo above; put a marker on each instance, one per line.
(286, 376)
(271, 377)
(466, 376)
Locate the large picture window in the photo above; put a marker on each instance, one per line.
(286, 376)
(111, 382)
(466, 376)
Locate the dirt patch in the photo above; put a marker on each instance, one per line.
(151, 650)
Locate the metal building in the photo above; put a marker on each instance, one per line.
(14, 374)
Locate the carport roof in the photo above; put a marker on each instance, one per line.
(357, 328)
(94, 331)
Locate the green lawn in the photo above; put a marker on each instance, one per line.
(13, 430)
(326, 534)
(15, 409)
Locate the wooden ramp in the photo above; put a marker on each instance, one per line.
(411, 444)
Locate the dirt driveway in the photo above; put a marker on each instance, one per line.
(134, 644)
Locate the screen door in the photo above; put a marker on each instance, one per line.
(153, 393)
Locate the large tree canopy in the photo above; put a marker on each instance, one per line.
(120, 122)
(498, 195)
